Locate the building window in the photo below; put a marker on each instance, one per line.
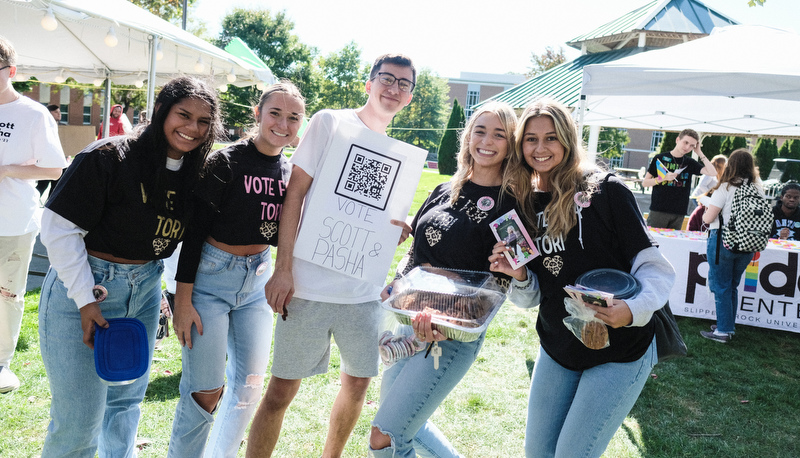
(615, 162)
(87, 108)
(655, 141)
(44, 94)
(64, 104)
(473, 97)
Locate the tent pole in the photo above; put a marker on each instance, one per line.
(151, 76)
(106, 106)
(594, 139)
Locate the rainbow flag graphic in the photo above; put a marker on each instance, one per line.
(661, 169)
(751, 275)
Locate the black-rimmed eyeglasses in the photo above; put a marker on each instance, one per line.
(387, 79)
(3, 68)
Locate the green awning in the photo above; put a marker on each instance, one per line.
(239, 48)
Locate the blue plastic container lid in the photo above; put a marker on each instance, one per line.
(121, 351)
(617, 282)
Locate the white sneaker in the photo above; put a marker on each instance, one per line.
(8, 381)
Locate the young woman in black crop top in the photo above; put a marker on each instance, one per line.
(118, 209)
(220, 307)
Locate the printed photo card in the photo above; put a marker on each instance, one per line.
(509, 228)
(591, 296)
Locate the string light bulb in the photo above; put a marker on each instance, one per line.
(231, 76)
(97, 82)
(223, 88)
(199, 66)
(49, 22)
(138, 84)
(260, 86)
(60, 77)
(111, 38)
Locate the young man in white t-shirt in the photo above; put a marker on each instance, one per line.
(29, 151)
(319, 302)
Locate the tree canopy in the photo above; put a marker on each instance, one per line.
(420, 123)
(272, 38)
(344, 75)
(448, 148)
(791, 170)
(765, 151)
(169, 10)
(610, 142)
(541, 63)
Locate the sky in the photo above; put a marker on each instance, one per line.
(454, 36)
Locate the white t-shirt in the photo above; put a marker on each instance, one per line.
(28, 136)
(723, 198)
(311, 281)
(706, 182)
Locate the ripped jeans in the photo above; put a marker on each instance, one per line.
(237, 321)
(411, 391)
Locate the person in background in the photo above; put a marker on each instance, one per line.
(29, 151)
(786, 224)
(459, 212)
(724, 276)
(224, 266)
(104, 266)
(703, 188)
(118, 123)
(55, 111)
(316, 299)
(585, 220)
(670, 175)
(707, 182)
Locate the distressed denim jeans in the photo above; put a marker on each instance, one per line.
(237, 323)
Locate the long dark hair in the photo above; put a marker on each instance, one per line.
(150, 144)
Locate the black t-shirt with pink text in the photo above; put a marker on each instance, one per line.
(238, 201)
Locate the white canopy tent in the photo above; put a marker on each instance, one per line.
(741, 79)
(145, 47)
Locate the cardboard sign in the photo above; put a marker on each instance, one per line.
(367, 180)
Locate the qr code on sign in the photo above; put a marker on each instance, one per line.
(368, 177)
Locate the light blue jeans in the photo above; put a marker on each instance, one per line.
(576, 413)
(411, 391)
(724, 279)
(237, 321)
(84, 412)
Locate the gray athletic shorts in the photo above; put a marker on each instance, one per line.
(303, 341)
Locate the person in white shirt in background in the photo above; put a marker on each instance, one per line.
(29, 151)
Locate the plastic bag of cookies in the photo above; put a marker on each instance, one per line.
(591, 331)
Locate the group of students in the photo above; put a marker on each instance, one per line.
(126, 202)
(670, 174)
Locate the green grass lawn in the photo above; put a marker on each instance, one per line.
(735, 400)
